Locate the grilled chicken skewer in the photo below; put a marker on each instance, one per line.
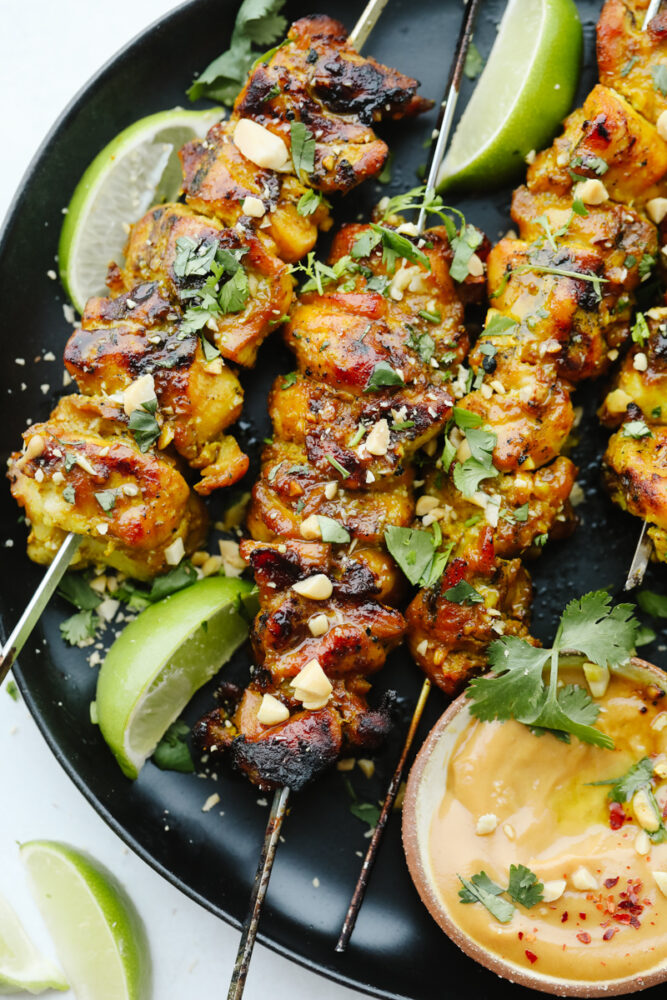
(548, 330)
(631, 50)
(188, 273)
(316, 401)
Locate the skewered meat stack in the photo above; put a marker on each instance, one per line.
(202, 285)
(634, 62)
(562, 296)
(367, 394)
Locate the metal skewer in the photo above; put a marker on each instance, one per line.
(37, 603)
(652, 10)
(640, 559)
(445, 122)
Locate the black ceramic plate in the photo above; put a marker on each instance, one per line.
(396, 951)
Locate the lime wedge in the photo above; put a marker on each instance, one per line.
(22, 968)
(97, 932)
(525, 90)
(162, 657)
(137, 169)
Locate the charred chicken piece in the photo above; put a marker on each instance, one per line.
(178, 249)
(316, 80)
(197, 399)
(82, 471)
(628, 56)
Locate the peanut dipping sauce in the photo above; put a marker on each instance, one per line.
(552, 821)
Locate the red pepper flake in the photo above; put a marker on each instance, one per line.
(634, 922)
(531, 956)
(563, 919)
(583, 916)
(609, 933)
(609, 883)
(617, 815)
(520, 935)
(584, 938)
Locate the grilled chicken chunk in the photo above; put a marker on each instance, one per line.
(318, 81)
(174, 247)
(82, 471)
(197, 399)
(629, 57)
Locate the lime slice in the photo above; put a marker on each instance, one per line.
(97, 932)
(525, 90)
(137, 169)
(162, 657)
(22, 968)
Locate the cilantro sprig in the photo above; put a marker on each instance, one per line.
(258, 22)
(516, 689)
(524, 888)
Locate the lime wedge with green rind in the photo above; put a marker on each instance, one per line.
(137, 169)
(22, 968)
(526, 89)
(162, 657)
(98, 934)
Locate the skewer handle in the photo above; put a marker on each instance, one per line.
(448, 106)
(371, 853)
(251, 922)
(38, 602)
(640, 560)
(369, 18)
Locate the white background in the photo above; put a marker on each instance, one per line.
(48, 49)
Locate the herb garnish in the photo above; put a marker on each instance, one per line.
(258, 22)
(331, 530)
(589, 625)
(524, 888)
(640, 330)
(143, 425)
(172, 752)
(310, 202)
(635, 429)
(302, 148)
(383, 375)
(74, 587)
(416, 552)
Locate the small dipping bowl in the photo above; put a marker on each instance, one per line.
(424, 794)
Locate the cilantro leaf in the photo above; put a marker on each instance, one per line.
(516, 688)
(176, 579)
(235, 292)
(463, 593)
(75, 588)
(412, 548)
(397, 245)
(144, 427)
(365, 243)
(474, 63)
(289, 379)
(480, 889)
(106, 499)
(659, 77)
(193, 257)
(604, 634)
(640, 330)
(78, 628)
(383, 375)
(302, 148)
(465, 418)
(469, 474)
(648, 260)
(259, 22)
(310, 202)
(637, 777)
(69, 494)
(331, 530)
(653, 604)
(524, 886)
(172, 752)
(367, 812)
(464, 246)
(499, 325)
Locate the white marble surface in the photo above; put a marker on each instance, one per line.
(47, 52)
